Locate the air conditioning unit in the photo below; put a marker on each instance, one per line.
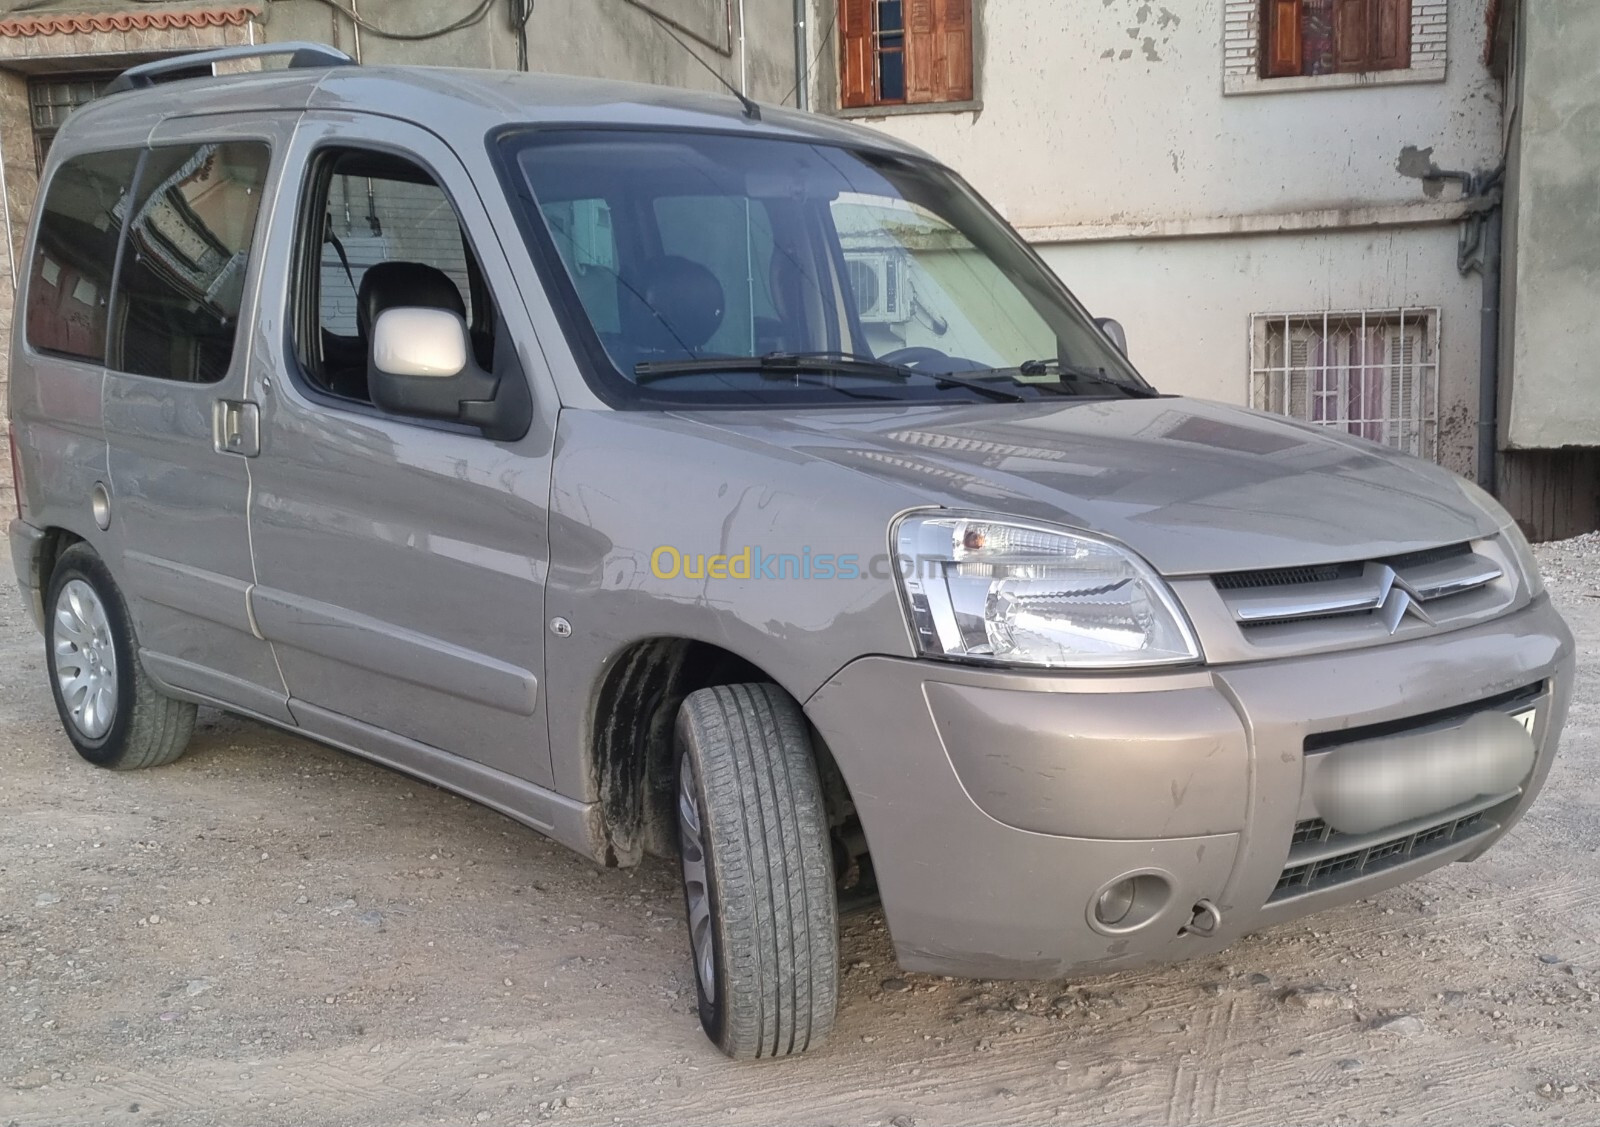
(879, 280)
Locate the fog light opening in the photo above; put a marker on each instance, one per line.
(1129, 902)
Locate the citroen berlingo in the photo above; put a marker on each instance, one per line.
(683, 477)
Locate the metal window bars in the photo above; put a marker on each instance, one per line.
(1373, 373)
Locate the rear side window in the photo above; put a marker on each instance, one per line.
(69, 285)
(178, 295)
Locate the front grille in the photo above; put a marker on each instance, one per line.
(1313, 829)
(1367, 860)
(1385, 593)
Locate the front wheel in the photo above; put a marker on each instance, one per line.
(757, 871)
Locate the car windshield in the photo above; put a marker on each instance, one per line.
(717, 268)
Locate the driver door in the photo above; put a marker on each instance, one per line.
(400, 562)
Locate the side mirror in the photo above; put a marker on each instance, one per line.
(421, 364)
(1112, 328)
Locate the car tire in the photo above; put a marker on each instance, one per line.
(758, 871)
(113, 713)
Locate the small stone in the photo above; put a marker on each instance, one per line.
(895, 985)
(1257, 979)
(170, 1015)
(197, 986)
(45, 899)
(155, 919)
(1063, 1064)
(482, 1117)
(1453, 997)
(38, 1078)
(1313, 997)
(1547, 1090)
(902, 1121)
(1351, 1064)
(1404, 1025)
(1551, 960)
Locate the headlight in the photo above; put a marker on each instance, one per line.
(1023, 594)
(1510, 533)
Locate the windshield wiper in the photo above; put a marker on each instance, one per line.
(1077, 371)
(795, 363)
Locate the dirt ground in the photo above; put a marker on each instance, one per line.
(271, 932)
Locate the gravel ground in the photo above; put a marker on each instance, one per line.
(270, 932)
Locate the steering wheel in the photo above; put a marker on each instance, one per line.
(915, 357)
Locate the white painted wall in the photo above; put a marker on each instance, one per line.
(1068, 136)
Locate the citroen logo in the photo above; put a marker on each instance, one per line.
(1399, 600)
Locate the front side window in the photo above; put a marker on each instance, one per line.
(378, 233)
(179, 293)
(736, 269)
(1316, 37)
(69, 282)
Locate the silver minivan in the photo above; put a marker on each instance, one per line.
(689, 478)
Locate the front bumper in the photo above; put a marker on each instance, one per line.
(998, 805)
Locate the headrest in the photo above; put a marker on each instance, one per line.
(680, 304)
(392, 285)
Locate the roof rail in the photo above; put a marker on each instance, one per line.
(146, 75)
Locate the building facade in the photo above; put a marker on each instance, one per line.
(1237, 181)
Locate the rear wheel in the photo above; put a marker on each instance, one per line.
(757, 871)
(114, 715)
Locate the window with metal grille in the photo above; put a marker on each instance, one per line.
(51, 100)
(1372, 374)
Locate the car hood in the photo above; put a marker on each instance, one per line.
(1194, 487)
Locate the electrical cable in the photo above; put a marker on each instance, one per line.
(476, 16)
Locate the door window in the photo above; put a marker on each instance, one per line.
(181, 285)
(384, 235)
(69, 282)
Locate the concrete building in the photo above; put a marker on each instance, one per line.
(1549, 393)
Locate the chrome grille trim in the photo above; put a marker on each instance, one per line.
(1391, 589)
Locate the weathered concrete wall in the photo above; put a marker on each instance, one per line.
(601, 38)
(1069, 135)
(1554, 228)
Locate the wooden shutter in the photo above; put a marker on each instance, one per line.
(856, 55)
(1352, 35)
(922, 51)
(1391, 34)
(1280, 54)
(954, 60)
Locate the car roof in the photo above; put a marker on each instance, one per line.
(451, 101)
